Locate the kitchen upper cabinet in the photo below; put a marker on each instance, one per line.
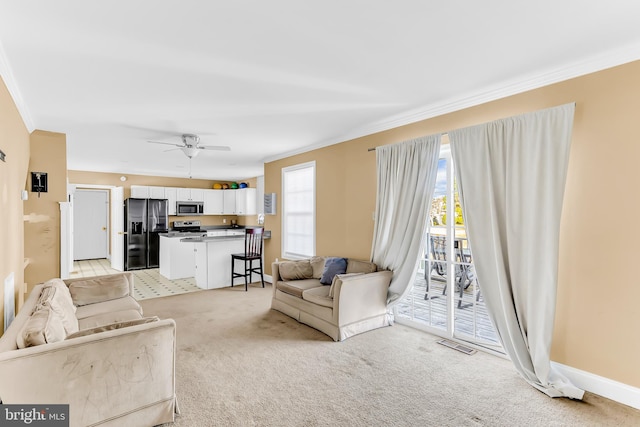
(246, 201)
(229, 201)
(140, 191)
(213, 202)
(147, 192)
(171, 194)
(191, 194)
(156, 193)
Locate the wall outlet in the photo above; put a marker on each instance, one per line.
(224, 220)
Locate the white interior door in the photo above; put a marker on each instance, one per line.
(117, 228)
(90, 224)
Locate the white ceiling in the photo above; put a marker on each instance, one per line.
(269, 78)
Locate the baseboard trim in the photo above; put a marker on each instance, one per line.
(605, 387)
(268, 278)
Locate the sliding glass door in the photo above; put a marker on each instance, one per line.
(446, 298)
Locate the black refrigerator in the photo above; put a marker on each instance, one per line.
(144, 220)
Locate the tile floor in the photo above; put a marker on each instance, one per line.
(147, 283)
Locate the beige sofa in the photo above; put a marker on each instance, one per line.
(346, 304)
(84, 342)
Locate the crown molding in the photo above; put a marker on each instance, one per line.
(12, 87)
(594, 63)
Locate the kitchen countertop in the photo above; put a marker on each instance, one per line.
(210, 238)
(204, 236)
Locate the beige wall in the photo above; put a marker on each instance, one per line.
(14, 142)
(42, 214)
(597, 315)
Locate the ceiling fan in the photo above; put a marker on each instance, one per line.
(191, 145)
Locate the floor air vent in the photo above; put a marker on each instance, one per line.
(454, 345)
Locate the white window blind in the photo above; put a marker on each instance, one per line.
(299, 211)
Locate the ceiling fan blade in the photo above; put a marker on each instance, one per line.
(165, 143)
(170, 149)
(214, 147)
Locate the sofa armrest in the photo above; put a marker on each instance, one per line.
(101, 376)
(275, 276)
(360, 297)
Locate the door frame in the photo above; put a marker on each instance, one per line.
(114, 215)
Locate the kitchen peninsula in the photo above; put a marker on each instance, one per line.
(205, 255)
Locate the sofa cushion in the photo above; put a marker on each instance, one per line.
(333, 266)
(338, 278)
(100, 289)
(44, 326)
(107, 318)
(317, 263)
(126, 303)
(296, 287)
(112, 326)
(357, 266)
(318, 296)
(56, 296)
(295, 270)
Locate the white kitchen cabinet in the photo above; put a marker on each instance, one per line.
(184, 194)
(171, 194)
(213, 202)
(177, 259)
(156, 192)
(229, 201)
(140, 191)
(197, 194)
(147, 192)
(246, 201)
(213, 261)
(191, 194)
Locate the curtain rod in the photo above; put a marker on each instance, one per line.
(374, 148)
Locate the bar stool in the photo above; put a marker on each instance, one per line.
(252, 252)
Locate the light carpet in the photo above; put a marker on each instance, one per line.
(239, 363)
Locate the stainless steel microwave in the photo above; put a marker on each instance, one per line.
(189, 208)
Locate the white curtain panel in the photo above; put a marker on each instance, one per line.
(406, 177)
(511, 177)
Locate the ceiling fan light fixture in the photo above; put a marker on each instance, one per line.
(190, 152)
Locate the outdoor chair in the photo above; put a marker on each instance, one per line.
(437, 260)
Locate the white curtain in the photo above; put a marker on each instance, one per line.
(406, 176)
(511, 176)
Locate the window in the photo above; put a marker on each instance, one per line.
(299, 211)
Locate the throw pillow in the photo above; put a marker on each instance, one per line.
(338, 279)
(295, 270)
(100, 289)
(43, 327)
(112, 326)
(333, 266)
(357, 266)
(56, 296)
(317, 263)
